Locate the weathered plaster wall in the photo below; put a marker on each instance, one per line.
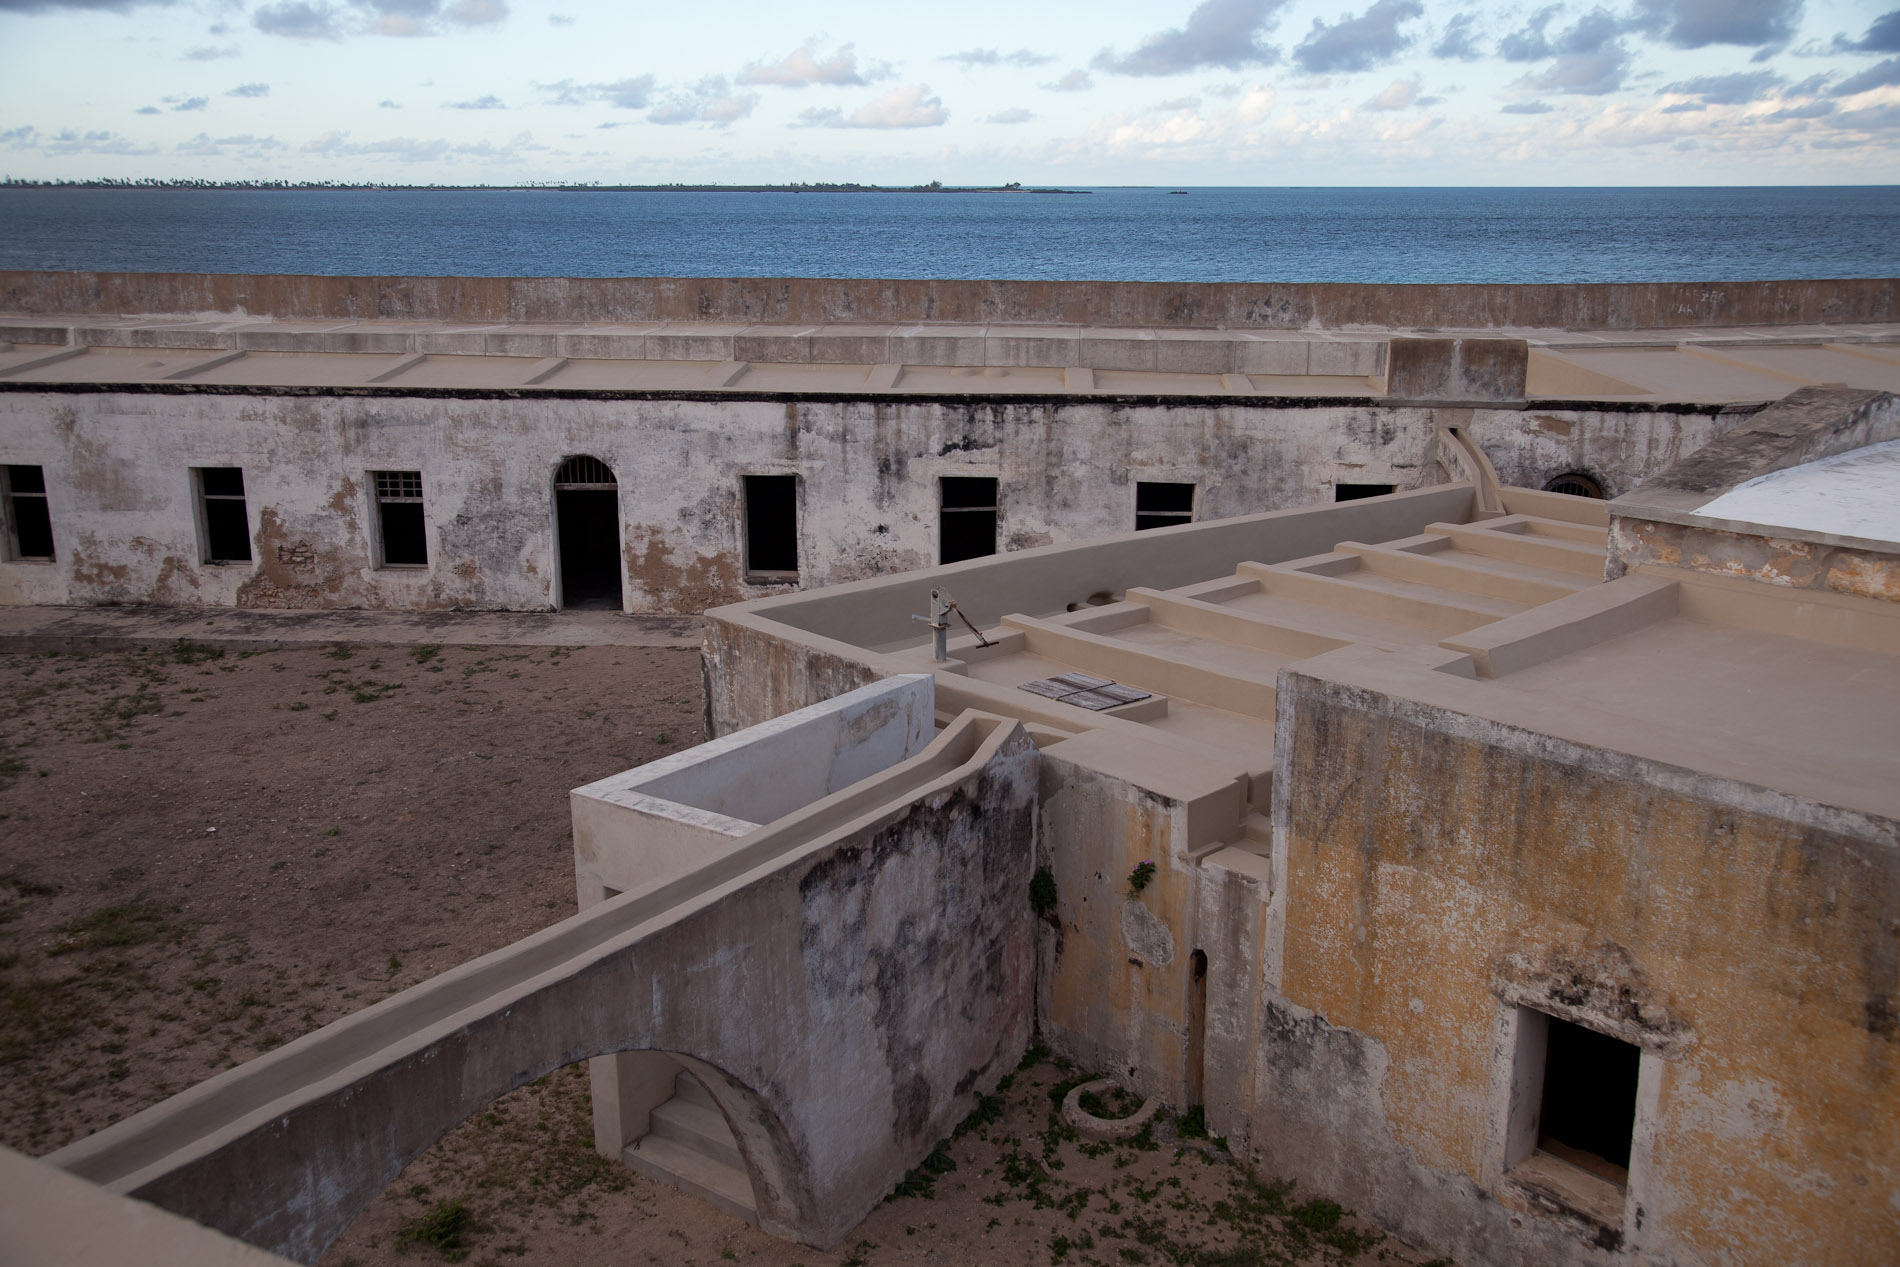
(1619, 448)
(1291, 305)
(1765, 556)
(1441, 869)
(117, 468)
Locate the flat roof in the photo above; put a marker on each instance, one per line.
(1699, 366)
(1852, 494)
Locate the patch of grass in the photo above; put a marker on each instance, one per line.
(422, 655)
(1112, 1106)
(114, 927)
(297, 706)
(1193, 1123)
(185, 651)
(19, 878)
(1321, 1214)
(443, 1227)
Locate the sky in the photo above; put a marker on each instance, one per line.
(979, 92)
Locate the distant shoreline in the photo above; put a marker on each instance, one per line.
(285, 186)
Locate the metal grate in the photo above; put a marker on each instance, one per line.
(1575, 484)
(585, 473)
(398, 486)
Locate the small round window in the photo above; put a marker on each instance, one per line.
(1575, 484)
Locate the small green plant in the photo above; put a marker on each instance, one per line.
(1111, 1105)
(1321, 1214)
(1193, 1123)
(298, 706)
(1138, 878)
(424, 654)
(1042, 891)
(114, 927)
(442, 1227)
(185, 651)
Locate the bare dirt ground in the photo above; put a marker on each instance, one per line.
(204, 854)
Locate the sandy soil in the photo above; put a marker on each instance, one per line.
(204, 854)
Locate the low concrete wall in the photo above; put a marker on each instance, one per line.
(1614, 306)
(896, 920)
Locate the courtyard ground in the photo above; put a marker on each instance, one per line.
(205, 852)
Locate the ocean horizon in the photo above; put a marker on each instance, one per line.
(1116, 233)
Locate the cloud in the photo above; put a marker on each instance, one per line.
(47, 6)
(1811, 110)
(1224, 33)
(1459, 43)
(973, 57)
(1526, 107)
(205, 146)
(407, 149)
(711, 100)
(1357, 43)
(1728, 90)
(1016, 115)
(1589, 59)
(192, 103)
(487, 101)
(1879, 75)
(148, 110)
(1883, 36)
(905, 107)
(71, 141)
(560, 19)
(250, 90)
(803, 67)
(1699, 23)
(208, 53)
(1074, 81)
(1400, 94)
(298, 20)
(387, 104)
(622, 94)
(322, 20)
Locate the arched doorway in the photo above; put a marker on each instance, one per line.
(587, 534)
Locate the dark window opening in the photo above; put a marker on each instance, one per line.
(968, 518)
(29, 522)
(587, 528)
(399, 517)
(1588, 1112)
(1575, 484)
(1163, 505)
(227, 526)
(1353, 492)
(771, 526)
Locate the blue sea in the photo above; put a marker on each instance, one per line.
(1128, 234)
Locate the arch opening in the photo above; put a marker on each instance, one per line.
(587, 535)
(1576, 484)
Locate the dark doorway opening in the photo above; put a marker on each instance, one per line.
(1575, 484)
(587, 530)
(1197, 1028)
(968, 519)
(771, 527)
(1589, 1103)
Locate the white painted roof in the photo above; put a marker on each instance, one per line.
(1853, 494)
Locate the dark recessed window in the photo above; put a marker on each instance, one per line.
(399, 519)
(1576, 484)
(968, 521)
(227, 528)
(29, 522)
(1353, 492)
(1589, 1103)
(1163, 505)
(771, 527)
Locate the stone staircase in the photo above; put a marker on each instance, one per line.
(691, 1148)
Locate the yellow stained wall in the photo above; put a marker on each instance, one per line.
(1435, 863)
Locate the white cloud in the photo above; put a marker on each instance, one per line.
(905, 107)
(1223, 33)
(711, 100)
(1014, 115)
(803, 67)
(1074, 81)
(1400, 94)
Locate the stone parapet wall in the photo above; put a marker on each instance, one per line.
(1277, 306)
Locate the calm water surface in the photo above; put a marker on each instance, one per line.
(1292, 235)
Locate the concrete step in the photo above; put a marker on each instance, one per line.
(699, 1128)
(674, 1164)
(690, 1089)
